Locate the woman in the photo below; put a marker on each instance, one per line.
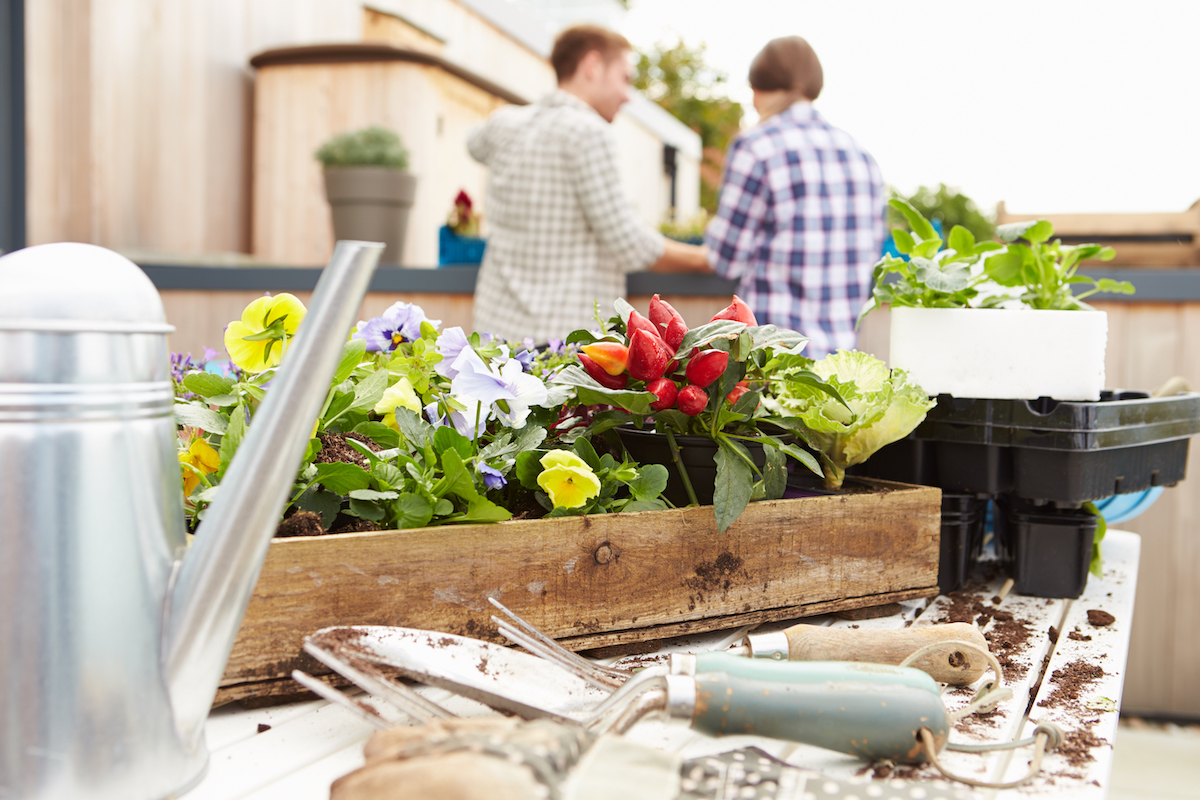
(800, 217)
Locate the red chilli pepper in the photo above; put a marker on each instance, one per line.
(739, 389)
(738, 311)
(665, 390)
(637, 322)
(691, 400)
(676, 330)
(600, 376)
(648, 356)
(706, 367)
(661, 312)
(609, 356)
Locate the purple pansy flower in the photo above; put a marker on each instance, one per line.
(450, 345)
(492, 478)
(400, 323)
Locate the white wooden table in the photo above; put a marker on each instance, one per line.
(310, 744)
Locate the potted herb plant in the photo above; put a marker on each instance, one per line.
(369, 188)
(994, 319)
(725, 404)
(459, 242)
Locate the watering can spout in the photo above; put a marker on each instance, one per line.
(214, 582)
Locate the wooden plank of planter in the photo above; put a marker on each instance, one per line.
(593, 580)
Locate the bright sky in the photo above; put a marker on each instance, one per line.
(1049, 105)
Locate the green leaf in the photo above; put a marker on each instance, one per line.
(364, 509)
(731, 493)
(320, 502)
(1103, 285)
(379, 433)
(412, 427)
(457, 478)
(950, 278)
(1005, 268)
(352, 353)
(591, 393)
(480, 509)
(650, 482)
(1031, 230)
(961, 241)
(622, 308)
(710, 332)
(232, 438)
(388, 476)
(1097, 565)
(370, 494)
(903, 240)
(774, 473)
(206, 384)
(443, 507)
(769, 336)
(644, 505)
(927, 249)
(583, 448)
(342, 478)
(198, 415)
(919, 224)
(412, 511)
(528, 468)
(369, 391)
(804, 457)
(339, 405)
(447, 438)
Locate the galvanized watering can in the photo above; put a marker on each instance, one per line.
(112, 640)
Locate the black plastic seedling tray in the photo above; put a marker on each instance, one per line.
(1066, 453)
(1048, 551)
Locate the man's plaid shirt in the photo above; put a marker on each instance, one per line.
(561, 234)
(800, 223)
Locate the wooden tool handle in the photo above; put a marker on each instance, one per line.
(956, 666)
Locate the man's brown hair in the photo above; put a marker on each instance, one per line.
(787, 64)
(577, 41)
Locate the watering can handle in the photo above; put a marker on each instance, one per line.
(870, 720)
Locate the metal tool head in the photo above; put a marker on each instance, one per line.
(505, 679)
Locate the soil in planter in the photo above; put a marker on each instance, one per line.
(334, 448)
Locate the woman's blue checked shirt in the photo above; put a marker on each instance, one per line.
(800, 223)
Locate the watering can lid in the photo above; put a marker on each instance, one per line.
(68, 286)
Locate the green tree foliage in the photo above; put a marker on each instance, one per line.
(950, 206)
(678, 79)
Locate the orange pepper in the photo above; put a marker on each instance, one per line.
(610, 356)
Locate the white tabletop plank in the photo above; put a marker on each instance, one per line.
(312, 743)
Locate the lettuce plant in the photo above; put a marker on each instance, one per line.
(879, 406)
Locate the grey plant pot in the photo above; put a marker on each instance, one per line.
(371, 204)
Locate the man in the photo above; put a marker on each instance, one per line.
(562, 235)
(800, 217)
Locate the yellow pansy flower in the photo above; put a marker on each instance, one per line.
(259, 339)
(400, 393)
(202, 459)
(568, 479)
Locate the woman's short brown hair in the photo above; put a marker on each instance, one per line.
(577, 41)
(787, 64)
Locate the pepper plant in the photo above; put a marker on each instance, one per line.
(707, 381)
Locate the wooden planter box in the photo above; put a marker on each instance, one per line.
(592, 581)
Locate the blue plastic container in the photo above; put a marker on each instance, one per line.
(889, 244)
(459, 251)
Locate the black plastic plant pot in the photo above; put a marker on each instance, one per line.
(961, 539)
(1048, 551)
(698, 454)
(906, 461)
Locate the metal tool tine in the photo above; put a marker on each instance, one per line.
(327, 692)
(575, 658)
(393, 692)
(595, 678)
